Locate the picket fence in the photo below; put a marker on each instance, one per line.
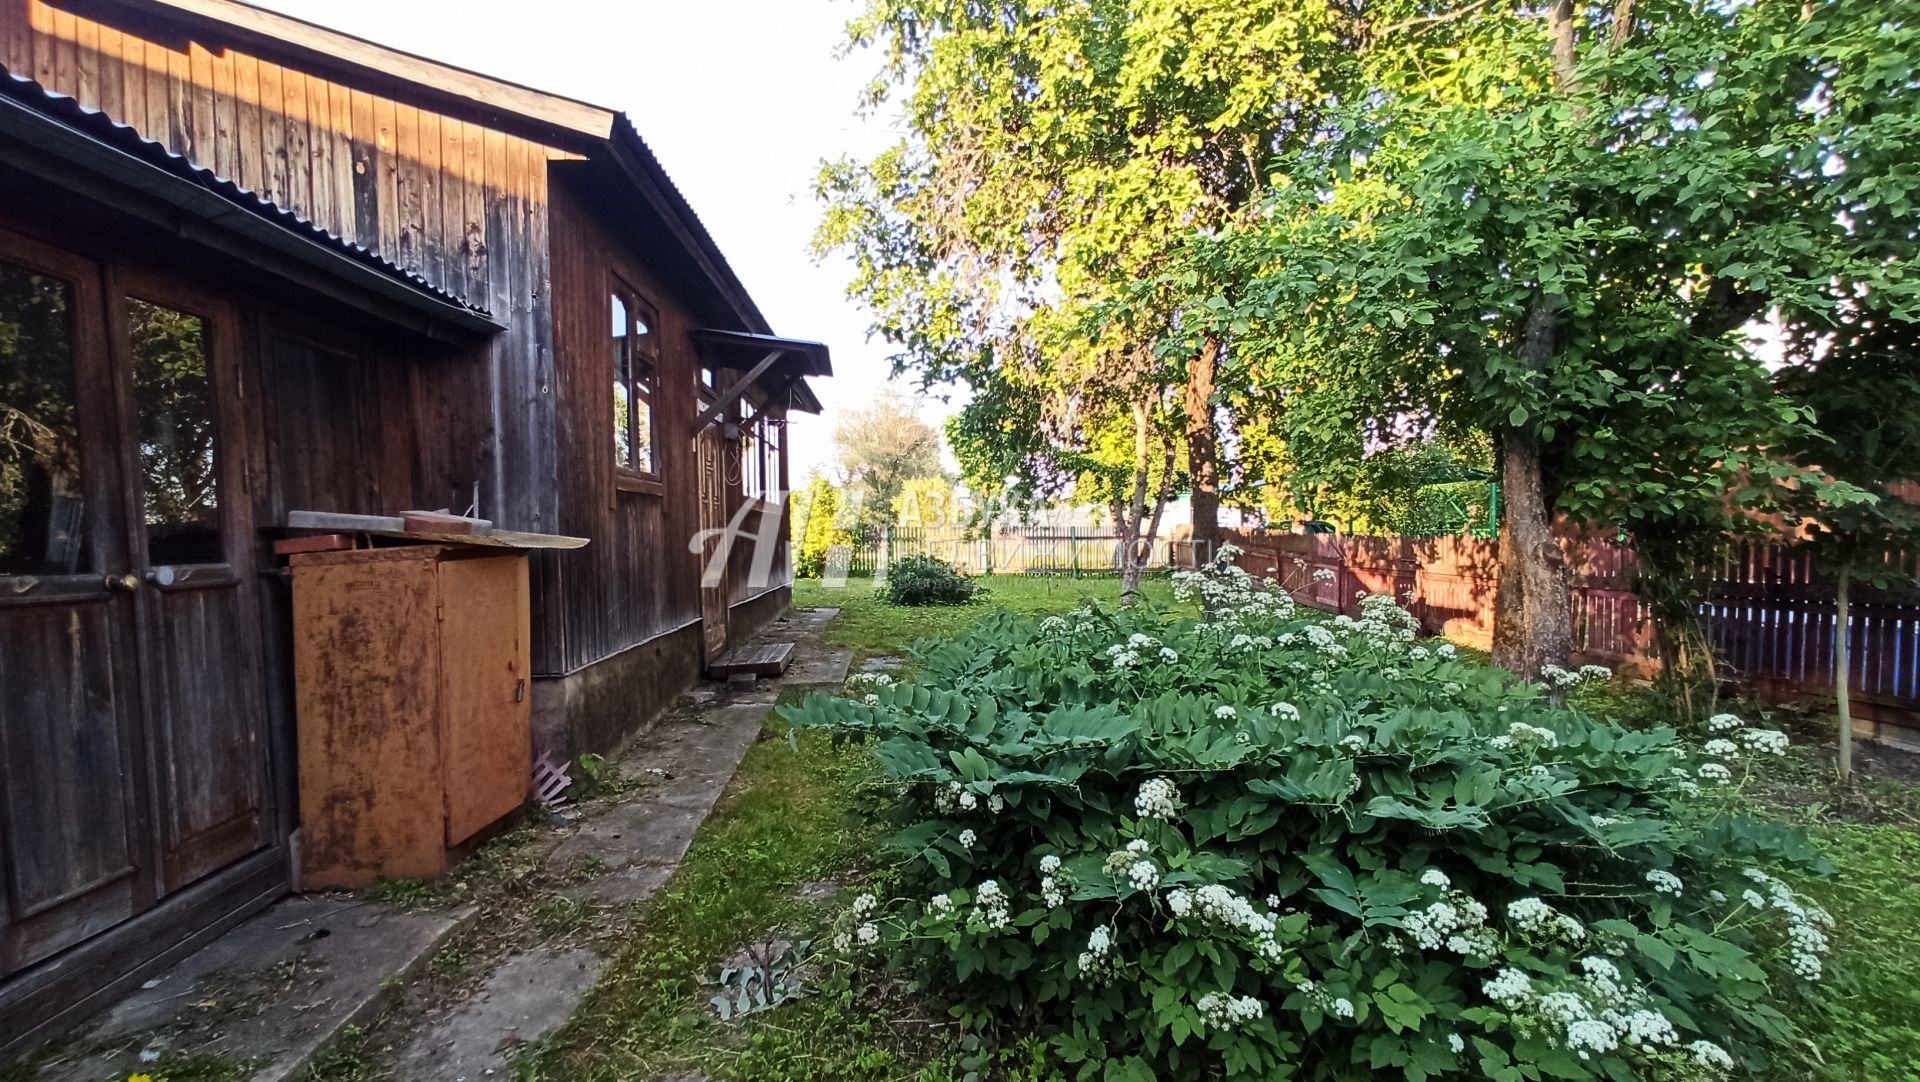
(1769, 614)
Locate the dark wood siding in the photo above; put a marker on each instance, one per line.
(636, 580)
(447, 197)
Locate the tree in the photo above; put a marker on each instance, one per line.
(926, 502)
(822, 529)
(1848, 379)
(879, 448)
(1548, 225)
(1055, 153)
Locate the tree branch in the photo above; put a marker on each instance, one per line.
(1443, 17)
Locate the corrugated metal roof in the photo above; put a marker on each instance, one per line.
(103, 128)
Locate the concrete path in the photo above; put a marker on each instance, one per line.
(271, 993)
(683, 766)
(279, 989)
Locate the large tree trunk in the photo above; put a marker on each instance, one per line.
(1203, 449)
(1843, 667)
(1531, 565)
(1532, 598)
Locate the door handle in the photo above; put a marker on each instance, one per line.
(127, 583)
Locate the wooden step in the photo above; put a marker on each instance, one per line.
(763, 659)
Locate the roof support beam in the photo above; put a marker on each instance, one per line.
(739, 387)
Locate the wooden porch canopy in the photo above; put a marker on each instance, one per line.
(783, 363)
(54, 139)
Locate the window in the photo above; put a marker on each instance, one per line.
(759, 453)
(636, 448)
(173, 396)
(42, 502)
(770, 448)
(753, 477)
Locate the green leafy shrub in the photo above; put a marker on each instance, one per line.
(926, 580)
(1267, 846)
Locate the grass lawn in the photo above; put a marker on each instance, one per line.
(871, 626)
(792, 816)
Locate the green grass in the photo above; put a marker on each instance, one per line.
(869, 625)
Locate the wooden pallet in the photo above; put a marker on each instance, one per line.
(769, 659)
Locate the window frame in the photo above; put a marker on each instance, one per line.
(643, 353)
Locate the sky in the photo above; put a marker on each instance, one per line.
(739, 99)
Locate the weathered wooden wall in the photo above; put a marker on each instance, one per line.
(635, 580)
(457, 202)
(371, 426)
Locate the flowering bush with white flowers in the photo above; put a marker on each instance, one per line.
(1267, 845)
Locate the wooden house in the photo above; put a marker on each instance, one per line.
(250, 266)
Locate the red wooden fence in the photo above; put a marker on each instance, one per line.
(1769, 615)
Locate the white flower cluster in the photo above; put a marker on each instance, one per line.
(1509, 987)
(1324, 574)
(1711, 1056)
(954, 797)
(1218, 905)
(1554, 676)
(990, 905)
(1284, 711)
(1663, 882)
(1226, 1012)
(1099, 945)
(1536, 918)
(1765, 741)
(1225, 713)
(968, 838)
(1457, 922)
(1337, 1006)
(940, 906)
(1721, 749)
(1720, 723)
(1717, 773)
(1526, 737)
(1593, 1015)
(1157, 799)
(1142, 875)
(1807, 925)
(1053, 625)
(866, 930)
(1052, 892)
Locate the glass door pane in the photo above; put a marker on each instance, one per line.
(173, 398)
(43, 520)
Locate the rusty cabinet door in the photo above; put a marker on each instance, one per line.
(74, 845)
(485, 656)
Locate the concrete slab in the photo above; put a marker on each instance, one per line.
(817, 666)
(271, 993)
(638, 843)
(882, 663)
(528, 996)
(801, 620)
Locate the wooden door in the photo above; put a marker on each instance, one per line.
(75, 852)
(712, 566)
(192, 546)
(133, 759)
